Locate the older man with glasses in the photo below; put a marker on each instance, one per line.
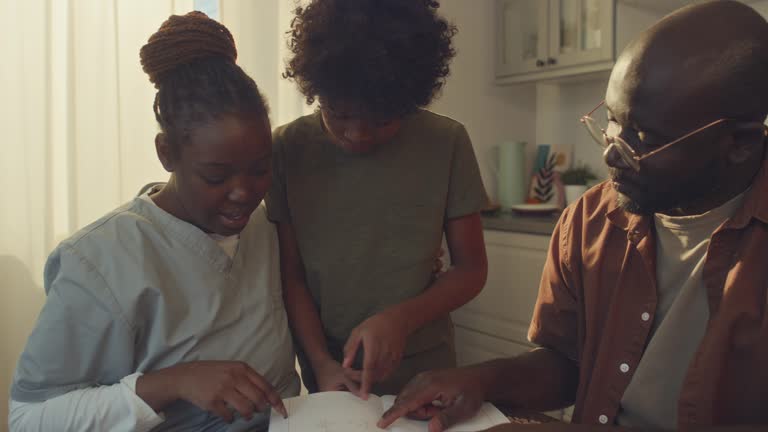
(653, 305)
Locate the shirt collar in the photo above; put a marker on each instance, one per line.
(755, 202)
(636, 225)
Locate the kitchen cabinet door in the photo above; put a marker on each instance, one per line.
(545, 40)
(581, 32)
(495, 323)
(503, 308)
(522, 36)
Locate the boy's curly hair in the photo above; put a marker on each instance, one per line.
(389, 56)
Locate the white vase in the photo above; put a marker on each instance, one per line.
(573, 192)
(511, 173)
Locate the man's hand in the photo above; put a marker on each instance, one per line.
(215, 386)
(382, 338)
(331, 376)
(444, 397)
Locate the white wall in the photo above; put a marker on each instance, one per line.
(259, 30)
(575, 101)
(24, 168)
(761, 6)
(491, 114)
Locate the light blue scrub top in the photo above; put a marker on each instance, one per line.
(140, 290)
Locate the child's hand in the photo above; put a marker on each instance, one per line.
(222, 386)
(331, 376)
(382, 338)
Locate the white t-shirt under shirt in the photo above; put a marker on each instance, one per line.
(682, 313)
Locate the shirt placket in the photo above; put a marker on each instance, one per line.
(640, 318)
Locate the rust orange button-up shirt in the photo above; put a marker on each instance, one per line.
(597, 301)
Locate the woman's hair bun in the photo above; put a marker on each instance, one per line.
(183, 39)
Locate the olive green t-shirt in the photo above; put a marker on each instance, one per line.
(368, 226)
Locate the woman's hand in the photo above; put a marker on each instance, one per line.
(219, 387)
(382, 338)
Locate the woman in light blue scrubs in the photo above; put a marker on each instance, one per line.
(167, 313)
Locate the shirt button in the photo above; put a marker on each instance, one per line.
(624, 368)
(645, 316)
(603, 419)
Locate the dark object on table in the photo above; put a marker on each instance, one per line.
(523, 416)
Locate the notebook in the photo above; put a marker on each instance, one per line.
(345, 412)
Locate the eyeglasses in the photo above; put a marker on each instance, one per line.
(628, 154)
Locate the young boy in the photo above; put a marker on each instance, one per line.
(365, 189)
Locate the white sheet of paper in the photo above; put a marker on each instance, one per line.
(328, 412)
(344, 412)
(487, 417)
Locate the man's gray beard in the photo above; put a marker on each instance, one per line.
(626, 204)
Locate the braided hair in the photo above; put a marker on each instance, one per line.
(191, 62)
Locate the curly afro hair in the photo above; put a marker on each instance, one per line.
(390, 57)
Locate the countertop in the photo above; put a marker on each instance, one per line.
(512, 222)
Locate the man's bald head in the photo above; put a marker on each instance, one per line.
(698, 64)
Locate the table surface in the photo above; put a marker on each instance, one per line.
(523, 416)
(511, 222)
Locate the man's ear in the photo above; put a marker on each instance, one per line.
(744, 145)
(164, 152)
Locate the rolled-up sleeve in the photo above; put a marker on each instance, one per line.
(466, 193)
(555, 316)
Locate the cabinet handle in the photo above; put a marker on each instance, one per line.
(552, 61)
(539, 63)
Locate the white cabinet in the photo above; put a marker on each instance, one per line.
(582, 32)
(548, 39)
(495, 323)
(522, 36)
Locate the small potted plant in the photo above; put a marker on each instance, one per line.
(575, 179)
